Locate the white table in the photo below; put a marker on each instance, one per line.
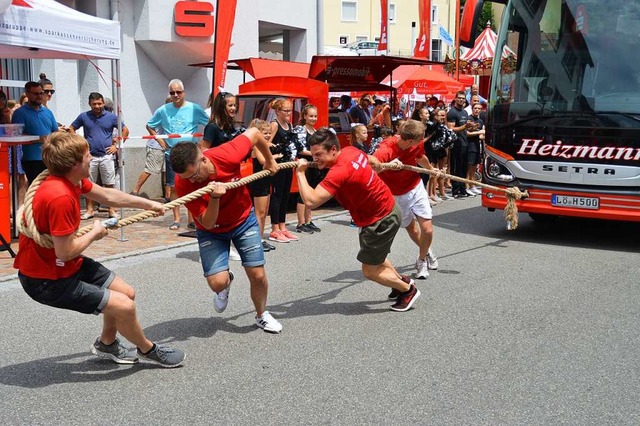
(13, 142)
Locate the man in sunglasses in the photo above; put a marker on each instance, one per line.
(38, 121)
(177, 117)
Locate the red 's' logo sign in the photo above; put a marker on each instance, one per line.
(193, 19)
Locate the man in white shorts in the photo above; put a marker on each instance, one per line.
(98, 125)
(408, 190)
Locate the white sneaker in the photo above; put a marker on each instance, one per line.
(447, 197)
(233, 254)
(268, 323)
(422, 269)
(221, 300)
(470, 192)
(477, 190)
(432, 260)
(437, 199)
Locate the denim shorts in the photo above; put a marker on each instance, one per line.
(169, 176)
(214, 248)
(86, 291)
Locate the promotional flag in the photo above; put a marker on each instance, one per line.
(225, 17)
(423, 43)
(384, 24)
(445, 36)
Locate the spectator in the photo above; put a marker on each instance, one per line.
(178, 117)
(458, 121)
(98, 126)
(360, 113)
(222, 125)
(7, 113)
(38, 121)
(474, 150)
(308, 120)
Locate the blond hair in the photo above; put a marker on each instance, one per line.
(411, 130)
(259, 124)
(62, 151)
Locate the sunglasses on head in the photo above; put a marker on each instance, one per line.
(49, 91)
(176, 92)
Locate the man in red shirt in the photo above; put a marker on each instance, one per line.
(352, 181)
(222, 216)
(408, 189)
(60, 276)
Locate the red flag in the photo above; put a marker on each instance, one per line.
(225, 17)
(384, 24)
(423, 43)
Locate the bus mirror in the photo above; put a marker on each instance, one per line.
(469, 21)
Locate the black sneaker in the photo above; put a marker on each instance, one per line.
(406, 300)
(304, 229)
(116, 352)
(395, 293)
(313, 227)
(265, 247)
(164, 356)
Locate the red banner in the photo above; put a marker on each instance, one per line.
(225, 17)
(423, 43)
(384, 24)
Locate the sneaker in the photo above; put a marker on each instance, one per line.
(353, 224)
(437, 199)
(477, 190)
(313, 227)
(116, 352)
(446, 197)
(221, 300)
(432, 260)
(164, 356)
(406, 300)
(267, 245)
(470, 192)
(304, 229)
(278, 237)
(268, 323)
(395, 293)
(233, 254)
(422, 268)
(289, 235)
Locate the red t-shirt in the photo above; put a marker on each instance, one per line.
(235, 205)
(56, 211)
(355, 185)
(399, 181)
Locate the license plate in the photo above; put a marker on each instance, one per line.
(577, 202)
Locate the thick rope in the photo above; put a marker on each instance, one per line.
(27, 227)
(513, 193)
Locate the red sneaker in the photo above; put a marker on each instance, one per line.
(406, 300)
(289, 235)
(278, 237)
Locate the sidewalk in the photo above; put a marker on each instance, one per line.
(142, 237)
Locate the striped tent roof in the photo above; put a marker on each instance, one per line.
(485, 47)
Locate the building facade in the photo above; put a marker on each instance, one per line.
(348, 21)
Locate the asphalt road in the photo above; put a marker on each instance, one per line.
(535, 326)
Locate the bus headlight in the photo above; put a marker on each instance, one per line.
(495, 170)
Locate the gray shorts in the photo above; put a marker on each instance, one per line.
(86, 292)
(154, 161)
(103, 168)
(377, 238)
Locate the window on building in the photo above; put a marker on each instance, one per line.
(434, 14)
(349, 11)
(343, 39)
(436, 50)
(362, 38)
(392, 13)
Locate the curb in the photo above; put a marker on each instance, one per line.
(163, 248)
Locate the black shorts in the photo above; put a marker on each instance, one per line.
(260, 187)
(473, 158)
(86, 291)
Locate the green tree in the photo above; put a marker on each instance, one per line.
(486, 16)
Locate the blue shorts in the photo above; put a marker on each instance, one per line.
(169, 175)
(214, 248)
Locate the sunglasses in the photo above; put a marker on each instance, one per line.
(49, 91)
(176, 92)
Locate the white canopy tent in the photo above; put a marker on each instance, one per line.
(46, 29)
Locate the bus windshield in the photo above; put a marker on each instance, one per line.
(568, 56)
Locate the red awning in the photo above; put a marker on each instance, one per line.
(261, 68)
(349, 73)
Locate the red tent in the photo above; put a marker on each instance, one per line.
(410, 79)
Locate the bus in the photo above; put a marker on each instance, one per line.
(563, 120)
